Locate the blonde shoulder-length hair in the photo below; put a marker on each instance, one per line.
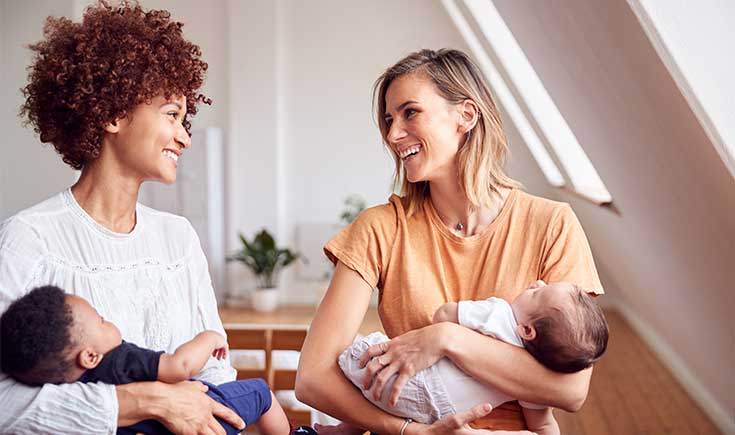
(481, 159)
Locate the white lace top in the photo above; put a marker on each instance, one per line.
(153, 283)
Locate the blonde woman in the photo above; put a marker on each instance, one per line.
(460, 230)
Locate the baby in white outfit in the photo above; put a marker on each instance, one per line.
(559, 324)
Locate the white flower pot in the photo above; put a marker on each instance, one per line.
(265, 299)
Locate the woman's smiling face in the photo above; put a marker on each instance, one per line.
(149, 141)
(423, 128)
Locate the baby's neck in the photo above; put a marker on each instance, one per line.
(75, 373)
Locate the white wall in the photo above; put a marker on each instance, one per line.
(668, 250)
(29, 171)
(306, 136)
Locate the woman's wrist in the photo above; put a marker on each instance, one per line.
(448, 342)
(415, 428)
(139, 401)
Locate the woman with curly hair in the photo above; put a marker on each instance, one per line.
(113, 95)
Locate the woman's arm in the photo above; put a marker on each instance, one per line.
(321, 384)
(319, 380)
(58, 409)
(513, 370)
(505, 367)
(449, 313)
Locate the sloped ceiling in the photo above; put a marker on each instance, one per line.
(667, 252)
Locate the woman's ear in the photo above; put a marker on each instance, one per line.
(113, 127)
(88, 359)
(469, 114)
(526, 332)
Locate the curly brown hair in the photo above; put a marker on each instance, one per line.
(86, 75)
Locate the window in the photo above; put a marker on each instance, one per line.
(538, 103)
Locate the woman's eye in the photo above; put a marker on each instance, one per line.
(410, 112)
(173, 114)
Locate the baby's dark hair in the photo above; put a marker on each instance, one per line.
(572, 337)
(35, 334)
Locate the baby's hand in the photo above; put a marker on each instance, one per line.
(220, 352)
(220, 344)
(448, 312)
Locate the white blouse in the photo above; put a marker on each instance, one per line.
(153, 283)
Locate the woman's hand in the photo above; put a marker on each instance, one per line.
(188, 411)
(458, 424)
(405, 355)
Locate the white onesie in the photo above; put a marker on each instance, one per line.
(441, 389)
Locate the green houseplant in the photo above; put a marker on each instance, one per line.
(266, 261)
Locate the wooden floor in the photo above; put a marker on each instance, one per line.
(633, 393)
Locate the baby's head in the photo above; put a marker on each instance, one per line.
(48, 336)
(561, 326)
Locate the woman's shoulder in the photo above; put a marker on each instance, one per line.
(382, 215)
(29, 224)
(538, 208)
(39, 212)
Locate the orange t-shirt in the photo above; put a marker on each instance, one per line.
(417, 264)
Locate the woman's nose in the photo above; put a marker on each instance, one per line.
(395, 132)
(182, 137)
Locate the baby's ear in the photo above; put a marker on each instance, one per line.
(526, 332)
(88, 358)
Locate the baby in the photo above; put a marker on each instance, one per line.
(48, 336)
(559, 324)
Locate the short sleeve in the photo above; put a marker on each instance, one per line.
(365, 245)
(125, 364)
(567, 255)
(492, 317)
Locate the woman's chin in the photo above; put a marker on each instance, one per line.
(167, 178)
(414, 177)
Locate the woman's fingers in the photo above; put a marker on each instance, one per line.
(382, 379)
(458, 424)
(395, 390)
(200, 386)
(215, 428)
(462, 418)
(226, 414)
(373, 351)
(371, 370)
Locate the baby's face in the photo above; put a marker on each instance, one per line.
(527, 304)
(91, 328)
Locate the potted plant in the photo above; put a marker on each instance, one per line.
(354, 205)
(265, 260)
